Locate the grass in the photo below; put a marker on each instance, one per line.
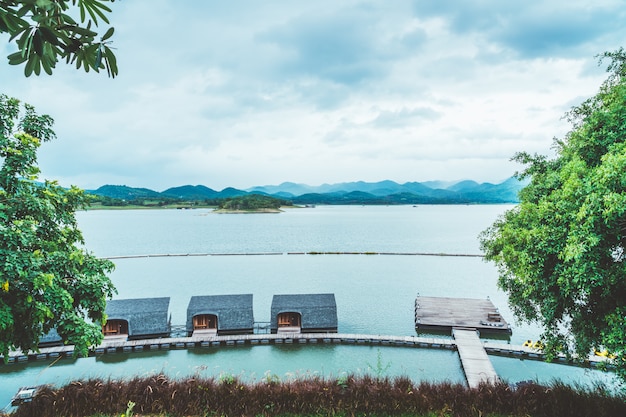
(315, 396)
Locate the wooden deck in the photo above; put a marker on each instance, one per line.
(444, 314)
(476, 364)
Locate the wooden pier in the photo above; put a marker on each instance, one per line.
(444, 314)
(116, 345)
(472, 351)
(476, 364)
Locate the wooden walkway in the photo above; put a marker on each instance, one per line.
(205, 341)
(476, 364)
(472, 350)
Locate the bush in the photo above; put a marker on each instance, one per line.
(348, 395)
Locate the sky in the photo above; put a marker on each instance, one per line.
(242, 93)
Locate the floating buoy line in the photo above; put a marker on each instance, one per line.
(180, 255)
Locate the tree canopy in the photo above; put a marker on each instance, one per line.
(46, 31)
(252, 202)
(561, 252)
(47, 279)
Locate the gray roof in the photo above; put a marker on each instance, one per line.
(318, 311)
(145, 316)
(234, 312)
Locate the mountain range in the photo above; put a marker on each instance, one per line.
(359, 192)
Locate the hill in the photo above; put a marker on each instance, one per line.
(359, 192)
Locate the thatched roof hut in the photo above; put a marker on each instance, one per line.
(307, 313)
(139, 318)
(220, 314)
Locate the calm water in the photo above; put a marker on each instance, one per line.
(374, 293)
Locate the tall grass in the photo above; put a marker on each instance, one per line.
(346, 396)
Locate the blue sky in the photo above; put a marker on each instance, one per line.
(243, 93)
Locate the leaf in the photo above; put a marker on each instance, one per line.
(111, 63)
(16, 58)
(108, 34)
(44, 4)
(48, 35)
(37, 62)
(37, 42)
(47, 66)
(30, 66)
(95, 9)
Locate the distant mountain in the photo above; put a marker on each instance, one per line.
(463, 186)
(231, 192)
(122, 192)
(438, 184)
(287, 188)
(359, 192)
(190, 192)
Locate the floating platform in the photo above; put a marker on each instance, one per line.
(442, 314)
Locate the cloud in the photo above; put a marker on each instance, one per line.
(532, 29)
(244, 93)
(404, 117)
(344, 46)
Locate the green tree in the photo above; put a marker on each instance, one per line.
(47, 279)
(252, 202)
(44, 31)
(561, 252)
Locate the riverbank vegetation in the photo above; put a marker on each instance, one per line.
(561, 253)
(252, 202)
(48, 280)
(227, 395)
(248, 202)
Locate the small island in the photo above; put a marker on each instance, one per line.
(251, 203)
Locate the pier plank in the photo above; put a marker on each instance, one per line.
(476, 363)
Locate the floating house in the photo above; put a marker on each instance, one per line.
(139, 318)
(304, 313)
(220, 314)
(443, 314)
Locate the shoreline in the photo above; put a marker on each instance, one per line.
(264, 210)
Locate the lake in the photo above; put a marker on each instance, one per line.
(263, 254)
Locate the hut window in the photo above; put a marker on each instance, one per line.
(205, 321)
(289, 319)
(115, 327)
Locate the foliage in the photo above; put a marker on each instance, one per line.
(560, 252)
(315, 396)
(44, 31)
(48, 280)
(252, 202)
(380, 368)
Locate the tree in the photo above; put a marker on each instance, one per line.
(45, 32)
(47, 279)
(561, 252)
